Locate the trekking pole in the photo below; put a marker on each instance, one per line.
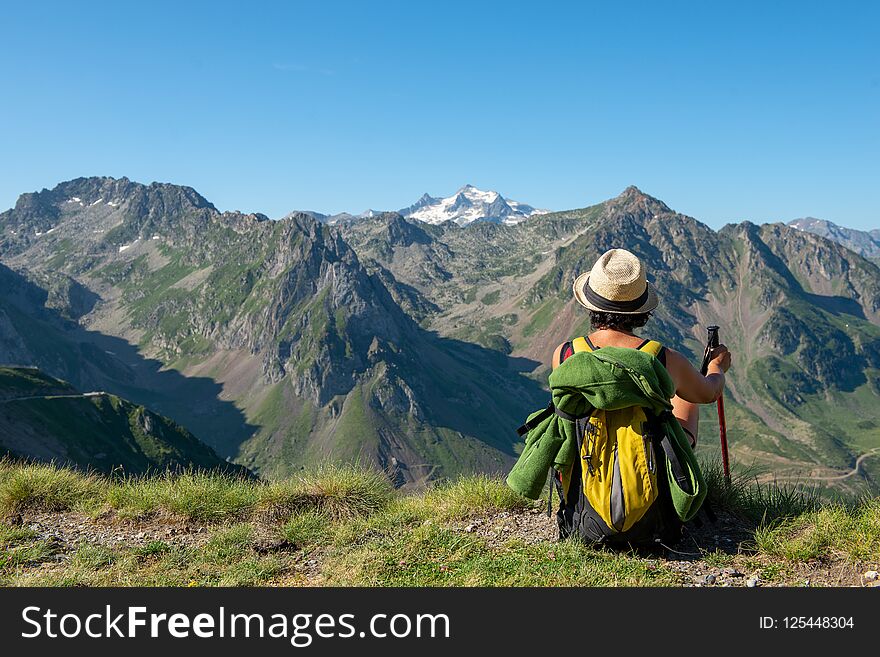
(711, 344)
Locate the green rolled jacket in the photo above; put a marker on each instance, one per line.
(609, 378)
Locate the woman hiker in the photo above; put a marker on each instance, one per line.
(620, 299)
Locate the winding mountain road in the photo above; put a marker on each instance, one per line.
(841, 477)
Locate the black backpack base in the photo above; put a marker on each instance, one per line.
(659, 529)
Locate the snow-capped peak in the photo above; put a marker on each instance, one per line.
(467, 205)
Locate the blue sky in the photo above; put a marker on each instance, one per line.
(725, 110)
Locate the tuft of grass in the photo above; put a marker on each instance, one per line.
(209, 497)
(472, 495)
(306, 528)
(229, 544)
(763, 504)
(338, 492)
(46, 487)
(251, 572)
(30, 553)
(11, 536)
(403, 512)
(151, 549)
(195, 495)
(93, 557)
(850, 532)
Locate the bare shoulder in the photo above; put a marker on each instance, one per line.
(676, 363)
(674, 358)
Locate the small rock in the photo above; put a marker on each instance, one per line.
(752, 582)
(470, 529)
(709, 579)
(871, 575)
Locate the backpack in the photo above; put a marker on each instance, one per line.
(612, 494)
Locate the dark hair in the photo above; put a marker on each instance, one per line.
(617, 321)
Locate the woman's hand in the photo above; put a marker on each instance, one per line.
(720, 358)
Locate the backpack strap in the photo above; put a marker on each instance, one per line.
(582, 344)
(651, 347)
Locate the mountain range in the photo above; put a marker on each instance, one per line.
(465, 206)
(863, 242)
(420, 346)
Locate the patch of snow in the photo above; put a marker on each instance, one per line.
(52, 230)
(127, 246)
(74, 199)
(112, 204)
(38, 233)
(470, 204)
(155, 237)
(100, 200)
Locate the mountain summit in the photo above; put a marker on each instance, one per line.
(467, 205)
(865, 243)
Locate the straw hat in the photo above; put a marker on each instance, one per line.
(616, 284)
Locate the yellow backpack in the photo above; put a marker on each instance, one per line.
(612, 493)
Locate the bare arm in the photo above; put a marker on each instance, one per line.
(693, 386)
(557, 355)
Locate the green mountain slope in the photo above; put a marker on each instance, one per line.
(49, 420)
(314, 349)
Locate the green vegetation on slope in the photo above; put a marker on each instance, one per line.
(18, 382)
(43, 418)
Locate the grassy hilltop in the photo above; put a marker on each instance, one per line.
(348, 526)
